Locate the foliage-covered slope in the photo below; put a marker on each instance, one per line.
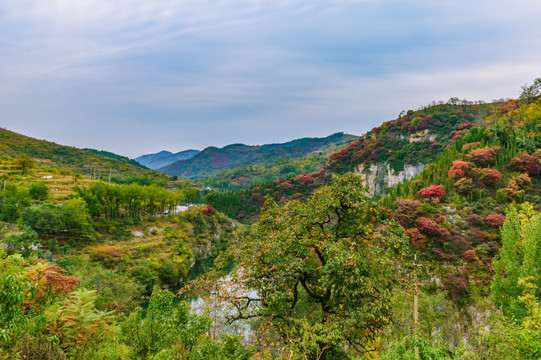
(416, 138)
(249, 176)
(117, 157)
(212, 160)
(85, 162)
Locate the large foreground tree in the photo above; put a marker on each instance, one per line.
(318, 275)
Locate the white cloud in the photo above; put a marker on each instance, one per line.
(254, 68)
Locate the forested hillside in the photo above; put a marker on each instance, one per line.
(89, 163)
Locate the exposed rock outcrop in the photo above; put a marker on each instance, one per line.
(378, 177)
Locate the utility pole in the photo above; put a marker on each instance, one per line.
(110, 172)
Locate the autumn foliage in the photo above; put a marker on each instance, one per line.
(525, 163)
(51, 282)
(208, 210)
(433, 192)
(460, 169)
(484, 156)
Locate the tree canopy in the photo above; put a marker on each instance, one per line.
(323, 271)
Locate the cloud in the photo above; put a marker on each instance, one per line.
(198, 73)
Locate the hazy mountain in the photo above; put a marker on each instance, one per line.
(164, 158)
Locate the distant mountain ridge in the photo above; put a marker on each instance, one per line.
(213, 160)
(164, 158)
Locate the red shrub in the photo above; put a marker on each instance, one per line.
(519, 182)
(525, 162)
(484, 156)
(470, 146)
(458, 243)
(455, 286)
(509, 105)
(208, 210)
(439, 253)
(469, 254)
(406, 211)
(417, 240)
(440, 219)
(460, 168)
(478, 236)
(257, 197)
(51, 283)
(431, 228)
(433, 192)
(464, 125)
(304, 178)
(475, 219)
(495, 219)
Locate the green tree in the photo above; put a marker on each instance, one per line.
(39, 191)
(70, 219)
(13, 201)
(77, 322)
(323, 271)
(25, 162)
(23, 243)
(14, 290)
(163, 323)
(519, 258)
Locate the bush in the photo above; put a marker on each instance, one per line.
(484, 156)
(433, 192)
(39, 191)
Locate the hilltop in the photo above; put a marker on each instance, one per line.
(89, 163)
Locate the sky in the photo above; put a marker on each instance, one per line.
(138, 76)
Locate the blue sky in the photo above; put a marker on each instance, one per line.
(139, 76)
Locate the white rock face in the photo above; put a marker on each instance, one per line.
(377, 177)
(422, 136)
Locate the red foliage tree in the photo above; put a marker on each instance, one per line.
(307, 179)
(431, 228)
(208, 210)
(417, 240)
(526, 163)
(475, 219)
(509, 105)
(460, 169)
(52, 282)
(433, 192)
(484, 156)
(459, 243)
(495, 219)
(406, 211)
(470, 146)
(469, 254)
(455, 286)
(520, 182)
